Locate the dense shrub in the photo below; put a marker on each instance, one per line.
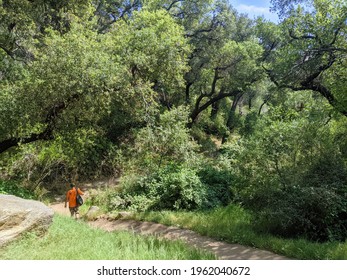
(83, 155)
(312, 205)
(160, 171)
(314, 213)
(171, 187)
(291, 172)
(219, 184)
(162, 142)
(174, 187)
(8, 187)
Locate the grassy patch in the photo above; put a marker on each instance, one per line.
(9, 187)
(233, 224)
(68, 239)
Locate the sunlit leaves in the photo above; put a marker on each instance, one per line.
(311, 48)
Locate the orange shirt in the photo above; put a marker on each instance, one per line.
(71, 197)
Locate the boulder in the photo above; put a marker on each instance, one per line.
(18, 215)
(123, 215)
(93, 213)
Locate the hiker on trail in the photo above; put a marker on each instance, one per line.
(71, 197)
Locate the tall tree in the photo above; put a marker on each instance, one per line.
(224, 60)
(77, 77)
(312, 51)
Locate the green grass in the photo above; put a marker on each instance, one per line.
(10, 187)
(233, 224)
(68, 239)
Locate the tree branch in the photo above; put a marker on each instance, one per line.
(47, 133)
(172, 4)
(310, 83)
(198, 109)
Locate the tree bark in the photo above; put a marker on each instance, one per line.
(14, 142)
(214, 110)
(198, 109)
(232, 116)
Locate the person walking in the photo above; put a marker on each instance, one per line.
(71, 198)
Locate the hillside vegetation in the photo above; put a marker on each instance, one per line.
(194, 106)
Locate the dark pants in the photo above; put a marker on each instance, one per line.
(74, 211)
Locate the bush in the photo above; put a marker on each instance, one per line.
(160, 143)
(317, 214)
(219, 183)
(172, 187)
(7, 187)
(291, 172)
(316, 208)
(160, 171)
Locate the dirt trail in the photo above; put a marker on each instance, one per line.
(223, 250)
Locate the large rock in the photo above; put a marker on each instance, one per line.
(19, 215)
(93, 213)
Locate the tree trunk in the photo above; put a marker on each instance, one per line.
(214, 110)
(232, 116)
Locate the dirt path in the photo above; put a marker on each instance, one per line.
(223, 250)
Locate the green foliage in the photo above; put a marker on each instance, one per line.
(12, 188)
(161, 143)
(109, 96)
(314, 213)
(170, 187)
(38, 166)
(169, 173)
(231, 223)
(158, 49)
(312, 45)
(83, 152)
(54, 81)
(85, 103)
(249, 123)
(293, 174)
(219, 186)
